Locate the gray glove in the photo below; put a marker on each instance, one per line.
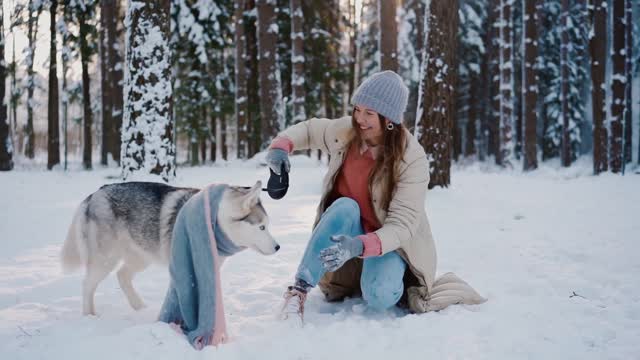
(346, 248)
(275, 158)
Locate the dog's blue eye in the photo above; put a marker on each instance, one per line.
(262, 227)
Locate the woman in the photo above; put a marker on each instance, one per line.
(371, 233)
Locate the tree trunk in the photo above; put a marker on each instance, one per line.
(297, 61)
(214, 137)
(241, 108)
(565, 152)
(106, 14)
(31, 36)
(434, 130)
(254, 121)
(86, 93)
(53, 138)
(597, 46)
(353, 48)
(530, 85)
(271, 112)
(388, 44)
(628, 123)
(506, 85)
(474, 98)
(147, 124)
(617, 86)
(6, 147)
(494, 79)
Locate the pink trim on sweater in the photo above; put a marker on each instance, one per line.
(283, 143)
(372, 244)
(220, 327)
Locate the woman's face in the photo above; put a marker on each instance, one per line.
(368, 124)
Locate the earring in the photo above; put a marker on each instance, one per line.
(390, 126)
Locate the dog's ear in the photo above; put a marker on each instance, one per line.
(253, 196)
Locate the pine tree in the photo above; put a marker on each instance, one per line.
(618, 79)
(597, 45)
(550, 76)
(53, 138)
(471, 51)
(6, 146)
(436, 111)
(147, 138)
(530, 85)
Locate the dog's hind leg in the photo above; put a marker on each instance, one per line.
(97, 270)
(125, 277)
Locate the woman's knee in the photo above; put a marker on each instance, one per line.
(344, 207)
(380, 294)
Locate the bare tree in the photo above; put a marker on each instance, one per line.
(530, 85)
(617, 86)
(53, 138)
(436, 110)
(388, 43)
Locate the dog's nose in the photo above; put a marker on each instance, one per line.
(277, 247)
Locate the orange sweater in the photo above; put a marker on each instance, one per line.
(353, 182)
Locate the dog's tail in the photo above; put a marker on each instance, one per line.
(73, 254)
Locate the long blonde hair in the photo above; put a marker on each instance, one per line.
(394, 144)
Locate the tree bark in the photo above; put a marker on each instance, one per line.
(597, 46)
(530, 85)
(53, 138)
(438, 89)
(297, 61)
(474, 98)
(388, 44)
(506, 85)
(254, 121)
(565, 151)
(270, 91)
(628, 123)
(6, 146)
(86, 93)
(494, 79)
(241, 108)
(32, 33)
(617, 86)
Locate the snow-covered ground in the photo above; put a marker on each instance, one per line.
(555, 252)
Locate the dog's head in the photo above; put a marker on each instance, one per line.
(244, 220)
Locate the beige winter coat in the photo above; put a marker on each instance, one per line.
(405, 227)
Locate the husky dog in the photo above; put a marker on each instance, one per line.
(132, 224)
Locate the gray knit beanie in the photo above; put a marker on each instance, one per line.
(385, 93)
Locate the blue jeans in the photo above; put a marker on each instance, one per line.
(381, 280)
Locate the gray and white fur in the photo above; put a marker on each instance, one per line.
(132, 224)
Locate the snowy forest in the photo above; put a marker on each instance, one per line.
(154, 85)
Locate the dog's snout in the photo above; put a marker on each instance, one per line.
(277, 247)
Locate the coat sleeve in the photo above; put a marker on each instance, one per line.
(309, 135)
(401, 222)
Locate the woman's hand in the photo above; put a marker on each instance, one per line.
(346, 248)
(276, 158)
